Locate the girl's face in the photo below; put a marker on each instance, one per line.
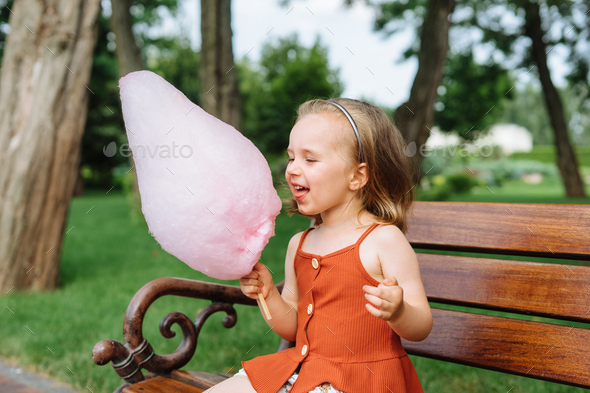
(315, 164)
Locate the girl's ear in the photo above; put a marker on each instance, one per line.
(360, 177)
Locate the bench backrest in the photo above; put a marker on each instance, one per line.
(553, 350)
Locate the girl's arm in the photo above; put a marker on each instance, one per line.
(400, 299)
(282, 308)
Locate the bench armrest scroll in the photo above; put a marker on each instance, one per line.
(137, 353)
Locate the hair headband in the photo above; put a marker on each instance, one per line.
(356, 131)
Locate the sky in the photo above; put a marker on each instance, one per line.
(370, 63)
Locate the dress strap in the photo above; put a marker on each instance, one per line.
(303, 237)
(364, 235)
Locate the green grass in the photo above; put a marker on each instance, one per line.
(546, 153)
(106, 259)
(550, 190)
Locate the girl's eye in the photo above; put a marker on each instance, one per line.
(309, 160)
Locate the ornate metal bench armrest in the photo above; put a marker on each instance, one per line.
(137, 353)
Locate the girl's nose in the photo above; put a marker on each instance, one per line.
(293, 168)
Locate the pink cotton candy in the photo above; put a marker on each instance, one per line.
(206, 191)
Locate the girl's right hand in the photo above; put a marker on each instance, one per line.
(258, 281)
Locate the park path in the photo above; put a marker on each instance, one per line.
(16, 380)
(8, 385)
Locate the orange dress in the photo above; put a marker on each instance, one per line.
(338, 340)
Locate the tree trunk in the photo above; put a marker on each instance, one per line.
(43, 104)
(566, 157)
(218, 78)
(415, 117)
(128, 60)
(128, 53)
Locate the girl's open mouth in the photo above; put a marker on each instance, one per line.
(299, 194)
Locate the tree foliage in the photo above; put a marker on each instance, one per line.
(288, 75)
(502, 24)
(567, 26)
(147, 14)
(524, 111)
(178, 63)
(468, 93)
(394, 16)
(468, 89)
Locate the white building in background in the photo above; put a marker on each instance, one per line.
(510, 137)
(440, 139)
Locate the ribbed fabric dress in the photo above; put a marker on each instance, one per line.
(338, 340)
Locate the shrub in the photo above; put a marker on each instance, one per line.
(461, 183)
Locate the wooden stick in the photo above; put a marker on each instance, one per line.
(264, 306)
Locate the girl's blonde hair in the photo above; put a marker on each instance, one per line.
(389, 191)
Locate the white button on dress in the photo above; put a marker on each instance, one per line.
(315, 263)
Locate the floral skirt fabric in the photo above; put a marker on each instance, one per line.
(322, 388)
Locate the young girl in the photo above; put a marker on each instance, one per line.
(352, 283)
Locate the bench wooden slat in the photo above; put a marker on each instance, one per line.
(161, 384)
(543, 289)
(550, 230)
(538, 350)
(198, 379)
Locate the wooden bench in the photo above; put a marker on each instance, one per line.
(536, 349)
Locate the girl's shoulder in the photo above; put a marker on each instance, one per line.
(387, 229)
(391, 246)
(294, 242)
(385, 236)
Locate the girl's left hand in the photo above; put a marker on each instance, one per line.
(387, 299)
